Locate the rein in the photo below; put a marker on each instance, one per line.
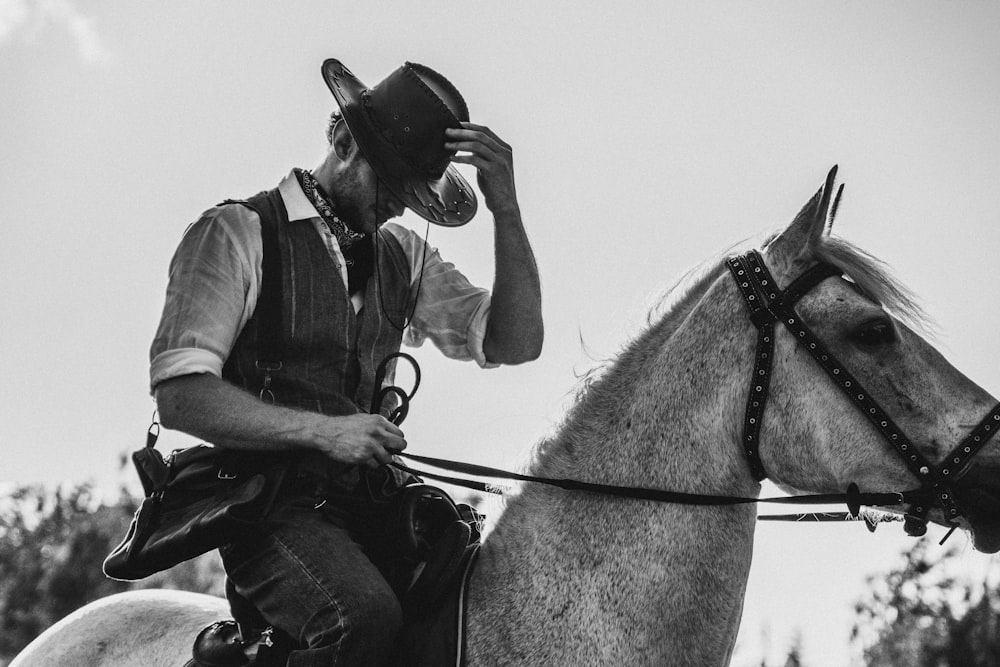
(854, 499)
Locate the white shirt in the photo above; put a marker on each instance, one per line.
(215, 278)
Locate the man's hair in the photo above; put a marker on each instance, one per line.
(335, 117)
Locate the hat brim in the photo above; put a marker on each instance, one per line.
(448, 201)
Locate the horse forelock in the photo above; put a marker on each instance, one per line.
(874, 277)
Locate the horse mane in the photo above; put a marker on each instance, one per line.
(599, 391)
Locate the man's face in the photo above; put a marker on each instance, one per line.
(361, 199)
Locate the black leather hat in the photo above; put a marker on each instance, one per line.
(399, 126)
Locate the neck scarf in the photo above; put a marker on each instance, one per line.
(355, 246)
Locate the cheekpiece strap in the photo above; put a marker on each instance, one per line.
(759, 290)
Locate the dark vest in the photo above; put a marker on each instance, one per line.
(328, 353)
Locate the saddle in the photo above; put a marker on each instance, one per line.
(433, 542)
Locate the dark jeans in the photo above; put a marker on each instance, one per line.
(306, 571)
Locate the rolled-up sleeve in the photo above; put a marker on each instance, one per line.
(211, 293)
(450, 311)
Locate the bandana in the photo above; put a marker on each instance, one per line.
(355, 246)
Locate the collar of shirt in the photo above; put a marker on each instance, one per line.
(298, 207)
(297, 204)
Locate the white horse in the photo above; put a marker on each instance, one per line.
(577, 578)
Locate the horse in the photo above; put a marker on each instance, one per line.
(578, 578)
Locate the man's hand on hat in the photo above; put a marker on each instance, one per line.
(494, 162)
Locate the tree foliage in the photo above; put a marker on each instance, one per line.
(52, 544)
(928, 613)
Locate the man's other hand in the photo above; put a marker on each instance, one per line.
(367, 440)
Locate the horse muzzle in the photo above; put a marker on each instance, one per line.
(978, 495)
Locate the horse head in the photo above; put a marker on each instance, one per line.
(819, 435)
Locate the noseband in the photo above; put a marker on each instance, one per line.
(768, 305)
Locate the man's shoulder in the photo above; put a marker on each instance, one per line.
(396, 247)
(231, 215)
(401, 234)
(241, 210)
(227, 223)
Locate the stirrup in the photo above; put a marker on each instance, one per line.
(222, 645)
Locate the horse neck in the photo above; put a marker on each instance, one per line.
(634, 582)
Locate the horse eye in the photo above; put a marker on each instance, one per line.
(875, 334)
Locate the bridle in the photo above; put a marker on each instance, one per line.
(768, 305)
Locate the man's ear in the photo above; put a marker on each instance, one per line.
(343, 141)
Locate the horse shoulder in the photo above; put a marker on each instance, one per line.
(144, 627)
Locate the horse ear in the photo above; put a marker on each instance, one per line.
(798, 240)
(834, 208)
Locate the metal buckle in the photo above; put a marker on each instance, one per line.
(268, 367)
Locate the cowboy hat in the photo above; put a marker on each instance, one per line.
(399, 126)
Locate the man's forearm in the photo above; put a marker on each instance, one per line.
(514, 332)
(210, 408)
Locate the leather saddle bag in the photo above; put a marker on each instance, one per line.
(197, 499)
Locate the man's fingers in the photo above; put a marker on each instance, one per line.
(473, 159)
(485, 130)
(470, 149)
(479, 147)
(382, 456)
(394, 443)
(476, 137)
(391, 428)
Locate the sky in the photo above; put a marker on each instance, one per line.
(648, 136)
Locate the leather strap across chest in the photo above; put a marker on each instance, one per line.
(768, 305)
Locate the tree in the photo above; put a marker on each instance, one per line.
(921, 615)
(794, 657)
(52, 545)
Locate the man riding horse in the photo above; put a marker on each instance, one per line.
(350, 289)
